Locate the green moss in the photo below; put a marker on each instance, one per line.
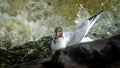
(27, 52)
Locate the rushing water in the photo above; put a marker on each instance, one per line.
(28, 20)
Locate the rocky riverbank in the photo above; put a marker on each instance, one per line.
(97, 54)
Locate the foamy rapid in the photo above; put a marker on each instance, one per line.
(22, 21)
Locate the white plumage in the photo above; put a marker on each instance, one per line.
(76, 36)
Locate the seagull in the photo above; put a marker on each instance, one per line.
(76, 36)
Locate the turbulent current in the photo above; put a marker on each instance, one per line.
(22, 21)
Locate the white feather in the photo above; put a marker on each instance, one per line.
(76, 36)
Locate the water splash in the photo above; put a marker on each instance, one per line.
(30, 23)
(106, 26)
(28, 20)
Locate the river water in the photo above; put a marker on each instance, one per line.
(28, 20)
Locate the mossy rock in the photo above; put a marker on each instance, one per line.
(27, 52)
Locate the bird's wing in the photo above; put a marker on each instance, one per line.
(78, 34)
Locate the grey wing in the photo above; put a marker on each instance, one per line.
(77, 35)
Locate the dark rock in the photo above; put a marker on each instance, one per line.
(97, 54)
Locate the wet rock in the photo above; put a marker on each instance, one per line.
(26, 52)
(102, 53)
(97, 54)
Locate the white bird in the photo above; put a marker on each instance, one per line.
(76, 36)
